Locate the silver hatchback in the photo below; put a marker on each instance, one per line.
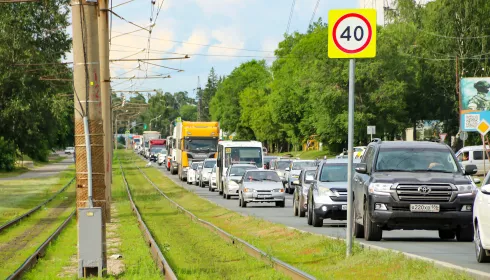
(261, 186)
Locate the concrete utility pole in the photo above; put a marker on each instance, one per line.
(105, 78)
(88, 105)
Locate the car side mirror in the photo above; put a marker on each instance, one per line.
(476, 180)
(485, 189)
(361, 168)
(470, 169)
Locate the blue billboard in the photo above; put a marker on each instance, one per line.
(475, 102)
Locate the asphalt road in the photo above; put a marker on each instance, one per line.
(48, 170)
(417, 242)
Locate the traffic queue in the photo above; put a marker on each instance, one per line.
(396, 185)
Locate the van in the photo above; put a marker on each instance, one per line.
(474, 155)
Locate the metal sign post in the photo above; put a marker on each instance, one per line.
(351, 34)
(371, 129)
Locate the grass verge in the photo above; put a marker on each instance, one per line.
(19, 242)
(19, 196)
(320, 256)
(194, 252)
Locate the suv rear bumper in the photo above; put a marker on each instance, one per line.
(399, 216)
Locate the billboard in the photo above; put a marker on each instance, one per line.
(475, 102)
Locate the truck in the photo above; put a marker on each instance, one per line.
(168, 156)
(156, 146)
(195, 141)
(137, 139)
(147, 136)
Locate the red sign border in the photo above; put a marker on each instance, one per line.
(361, 17)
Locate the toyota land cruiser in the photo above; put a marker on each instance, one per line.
(412, 186)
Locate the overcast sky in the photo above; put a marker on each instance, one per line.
(225, 27)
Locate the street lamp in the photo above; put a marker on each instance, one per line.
(153, 120)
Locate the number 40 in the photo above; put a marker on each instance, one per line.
(358, 33)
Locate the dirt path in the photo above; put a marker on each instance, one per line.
(48, 170)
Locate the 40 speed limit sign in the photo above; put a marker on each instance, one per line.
(352, 33)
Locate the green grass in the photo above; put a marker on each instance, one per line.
(16, 172)
(307, 154)
(51, 161)
(193, 251)
(18, 242)
(317, 255)
(19, 196)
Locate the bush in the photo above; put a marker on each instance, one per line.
(7, 155)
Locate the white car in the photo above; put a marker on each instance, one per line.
(161, 157)
(69, 150)
(212, 180)
(192, 173)
(481, 221)
(232, 178)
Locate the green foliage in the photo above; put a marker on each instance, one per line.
(7, 155)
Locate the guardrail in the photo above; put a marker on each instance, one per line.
(32, 260)
(156, 253)
(18, 219)
(253, 251)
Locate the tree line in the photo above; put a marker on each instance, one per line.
(421, 51)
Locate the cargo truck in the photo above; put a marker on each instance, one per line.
(156, 147)
(195, 141)
(147, 136)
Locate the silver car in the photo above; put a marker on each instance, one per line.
(233, 175)
(205, 174)
(261, 186)
(198, 174)
(212, 181)
(293, 171)
(302, 186)
(280, 167)
(327, 196)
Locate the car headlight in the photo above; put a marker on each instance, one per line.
(278, 190)
(248, 190)
(380, 188)
(325, 192)
(467, 189)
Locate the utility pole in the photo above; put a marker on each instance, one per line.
(199, 100)
(106, 97)
(89, 141)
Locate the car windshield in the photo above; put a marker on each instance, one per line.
(262, 176)
(334, 172)
(303, 164)
(239, 170)
(201, 145)
(309, 176)
(245, 155)
(209, 163)
(416, 160)
(194, 166)
(156, 150)
(137, 140)
(282, 164)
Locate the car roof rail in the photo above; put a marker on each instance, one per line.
(377, 140)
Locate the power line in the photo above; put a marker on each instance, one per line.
(130, 22)
(290, 16)
(314, 12)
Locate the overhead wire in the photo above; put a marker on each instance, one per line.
(314, 12)
(290, 16)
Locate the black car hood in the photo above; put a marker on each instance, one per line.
(420, 178)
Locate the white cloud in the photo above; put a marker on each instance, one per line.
(225, 7)
(270, 44)
(227, 37)
(198, 36)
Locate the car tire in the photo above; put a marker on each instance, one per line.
(212, 190)
(446, 234)
(295, 208)
(316, 221)
(227, 196)
(244, 203)
(301, 212)
(465, 234)
(358, 229)
(371, 231)
(280, 204)
(239, 202)
(159, 164)
(309, 220)
(481, 255)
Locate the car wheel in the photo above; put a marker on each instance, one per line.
(447, 234)
(317, 222)
(227, 196)
(295, 208)
(212, 190)
(239, 201)
(481, 255)
(280, 203)
(358, 228)
(371, 231)
(465, 234)
(301, 212)
(244, 203)
(310, 215)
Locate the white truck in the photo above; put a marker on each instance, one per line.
(147, 136)
(233, 152)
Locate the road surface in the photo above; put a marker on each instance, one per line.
(48, 170)
(420, 242)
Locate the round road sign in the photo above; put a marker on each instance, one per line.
(352, 33)
(463, 135)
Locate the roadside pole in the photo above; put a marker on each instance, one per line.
(350, 145)
(88, 107)
(106, 97)
(351, 35)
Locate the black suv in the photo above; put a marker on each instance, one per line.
(412, 185)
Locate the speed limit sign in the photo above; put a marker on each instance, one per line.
(352, 33)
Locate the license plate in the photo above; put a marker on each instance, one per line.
(264, 195)
(425, 207)
(344, 207)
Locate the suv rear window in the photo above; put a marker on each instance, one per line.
(416, 159)
(334, 173)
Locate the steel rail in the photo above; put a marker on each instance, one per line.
(28, 213)
(253, 251)
(156, 253)
(39, 253)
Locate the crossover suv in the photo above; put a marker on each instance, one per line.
(413, 186)
(292, 172)
(302, 185)
(327, 194)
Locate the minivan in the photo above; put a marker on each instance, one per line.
(474, 155)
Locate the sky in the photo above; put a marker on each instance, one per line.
(232, 32)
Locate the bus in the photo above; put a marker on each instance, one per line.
(232, 152)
